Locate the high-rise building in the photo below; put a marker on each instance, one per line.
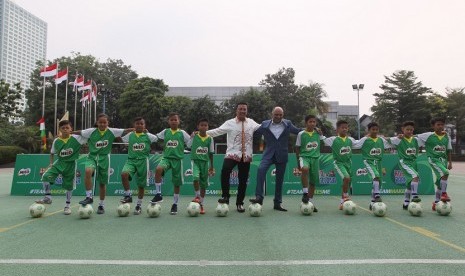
(23, 42)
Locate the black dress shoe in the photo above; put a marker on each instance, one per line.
(279, 208)
(256, 200)
(240, 208)
(224, 200)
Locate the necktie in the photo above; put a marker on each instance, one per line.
(243, 142)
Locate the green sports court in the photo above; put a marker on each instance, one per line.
(277, 243)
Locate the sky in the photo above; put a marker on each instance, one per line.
(236, 43)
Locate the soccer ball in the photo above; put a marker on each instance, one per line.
(124, 209)
(349, 207)
(255, 209)
(153, 210)
(306, 208)
(36, 210)
(222, 210)
(193, 209)
(85, 211)
(415, 209)
(379, 209)
(443, 208)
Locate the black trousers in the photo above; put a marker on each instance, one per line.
(243, 168)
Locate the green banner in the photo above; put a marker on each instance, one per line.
(29, 169)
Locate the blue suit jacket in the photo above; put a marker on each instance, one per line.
(277, 148)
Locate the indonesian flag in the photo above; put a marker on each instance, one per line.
(43, 137)
(85, 98)
(49, 71)
(61, 76)
(79, 81)
(94, 92)
(87, 86)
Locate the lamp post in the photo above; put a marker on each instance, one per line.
(358, 87)
(104, 91)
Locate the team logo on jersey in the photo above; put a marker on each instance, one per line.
(311, 146)
(138, 147)
(362, 171)
(188, 172)
(411, 151)
(439, 148)
(66, 152)
(101, 144)
(172, 144)
(24, 172)
(344, 150)
(375, 151)
(201, 150)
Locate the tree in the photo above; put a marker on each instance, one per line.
(8, 100)
(456, 112)
(259, 104)
(437, 105)
(353, 126)
(203, 107)
(403, 98)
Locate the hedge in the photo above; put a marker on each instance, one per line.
(8, 153)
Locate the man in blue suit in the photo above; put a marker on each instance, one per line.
(276, 134)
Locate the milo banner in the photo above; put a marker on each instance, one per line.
(29, 169)
(331, 184)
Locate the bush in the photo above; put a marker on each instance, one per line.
(8, 153)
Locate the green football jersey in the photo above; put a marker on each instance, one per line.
(436, 145)
(407, 149)
(139, 144)
(68, 149)
(373, 148)
(100, 142)
(201, 147)
(308, 143)
(174, 142)
(341, 148)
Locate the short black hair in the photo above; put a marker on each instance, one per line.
(308, 117)
(241, 103)
(438, 119)
(202, 120)
(64, 122)
(372, 124)
(172, 114)
(103, 115)
(408, 123)
(341, 122)
(138, 119)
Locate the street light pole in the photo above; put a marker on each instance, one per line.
(104, 91)
(358, 87)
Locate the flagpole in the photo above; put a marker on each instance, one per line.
(56, 99)
(66, 91)
(95, 102)
(75, 101)
(43, 101)
(82, 116)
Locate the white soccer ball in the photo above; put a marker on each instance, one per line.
(154, 210)
(349, 207)
(415, 209)
(85, 211)
(222, 209)
(37, 210)
(255, 209)
(443, 208)
(193, 209)
(124, 209)
(379, 209)
(306, 208)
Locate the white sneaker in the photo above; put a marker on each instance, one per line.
(67, 211)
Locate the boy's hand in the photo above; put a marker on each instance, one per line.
(384, 171)
(449, 167)
(297, 172)
(400, 136)
(211, 171)
(319, 130)
(194, 133)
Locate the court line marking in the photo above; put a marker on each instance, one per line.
(5, 229)
(421, 231)
(230, 263)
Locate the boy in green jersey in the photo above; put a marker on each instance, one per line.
(407, 149)
(307, 152)
(67, 148)
(100, 142)
(341, 147)
(138, 162)
(373, 148)
(202, 149)
(438, 149)
(175, 140)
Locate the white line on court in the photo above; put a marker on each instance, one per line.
(231, 263)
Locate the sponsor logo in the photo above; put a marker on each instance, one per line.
(344, 150)
(24, 172)
(66, 152)
(411, 151)
(201, 150)
(327, 178)
(138, 147)
(375, 151)
(311, 146)
(188, 172)
(234, 178)
(101, 144)
(172, 143)
(299, 192)
(439, 148)
(399, 177)
(360, 172)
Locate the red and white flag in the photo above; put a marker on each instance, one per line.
(79, 81)
(61, 76)
(85, 98)
(49, 71)
(86, 86)
(94, 92)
